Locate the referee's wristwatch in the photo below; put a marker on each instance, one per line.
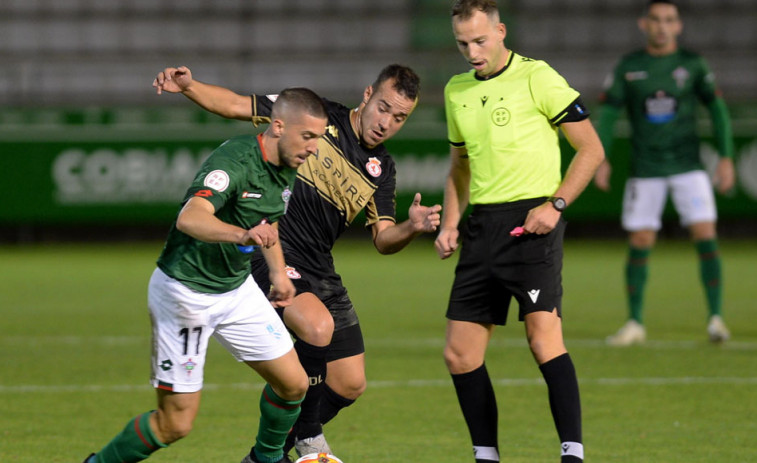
(558, 203)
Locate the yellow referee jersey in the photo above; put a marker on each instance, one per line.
(508, 125)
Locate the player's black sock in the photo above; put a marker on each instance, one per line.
(313, 360)
(564, 400)
(570, 459)
(331, 403)
(479, 405)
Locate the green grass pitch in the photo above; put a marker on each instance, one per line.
(74, 350)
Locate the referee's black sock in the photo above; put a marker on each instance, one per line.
(313, 360)
(564, 400)
(331, 403)
(479, 405)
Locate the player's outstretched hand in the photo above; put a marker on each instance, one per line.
(173, 80)
(425, 219)
(446, 242)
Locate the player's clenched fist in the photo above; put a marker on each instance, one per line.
(446, 242)
(264, 234)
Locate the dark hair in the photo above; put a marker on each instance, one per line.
(406, 81)
(661, 2)
(300, 99)
(465, 8)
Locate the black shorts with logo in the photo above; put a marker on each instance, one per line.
(494, 267)
(327, 286)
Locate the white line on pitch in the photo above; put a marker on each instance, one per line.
(380, 384)
(571, 343)
(379, 342)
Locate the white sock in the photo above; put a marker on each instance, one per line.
(575, 449)
(486, 453)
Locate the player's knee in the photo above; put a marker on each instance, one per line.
(451, 358)
(537, 347)
(459, 362)
(310, 320)
(171, 429)
(351, 388)
(702, 231)
(355, 390)
(176, 433)
(545, 349)
(318, 330)
(294, 389)
(291, 392)
(643, 239)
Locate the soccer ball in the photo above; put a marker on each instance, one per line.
(318, 458)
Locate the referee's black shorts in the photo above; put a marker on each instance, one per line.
(494, 267)
(327, 286)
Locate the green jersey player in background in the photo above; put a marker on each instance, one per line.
(202, 286)
(660, 88)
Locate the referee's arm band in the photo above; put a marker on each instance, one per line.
(576, 111)
(459, 144)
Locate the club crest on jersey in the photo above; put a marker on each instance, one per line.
(217, 180)
(680, 75)
(188, 366)
(285, 195)
(373, 166)
(292, 273)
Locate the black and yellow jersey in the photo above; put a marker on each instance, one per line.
(333, 186)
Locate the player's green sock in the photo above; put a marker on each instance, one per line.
(711, 273)
(277, 416)
(637, 269)
(134, 443)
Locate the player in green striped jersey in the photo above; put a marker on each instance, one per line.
(660, 88)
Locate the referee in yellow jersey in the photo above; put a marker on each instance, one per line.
(503, 118)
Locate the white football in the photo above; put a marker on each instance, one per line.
(318, 458)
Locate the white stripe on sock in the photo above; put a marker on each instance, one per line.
(575, 449)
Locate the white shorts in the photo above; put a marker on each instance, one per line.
(183, 320)
(644, 200)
